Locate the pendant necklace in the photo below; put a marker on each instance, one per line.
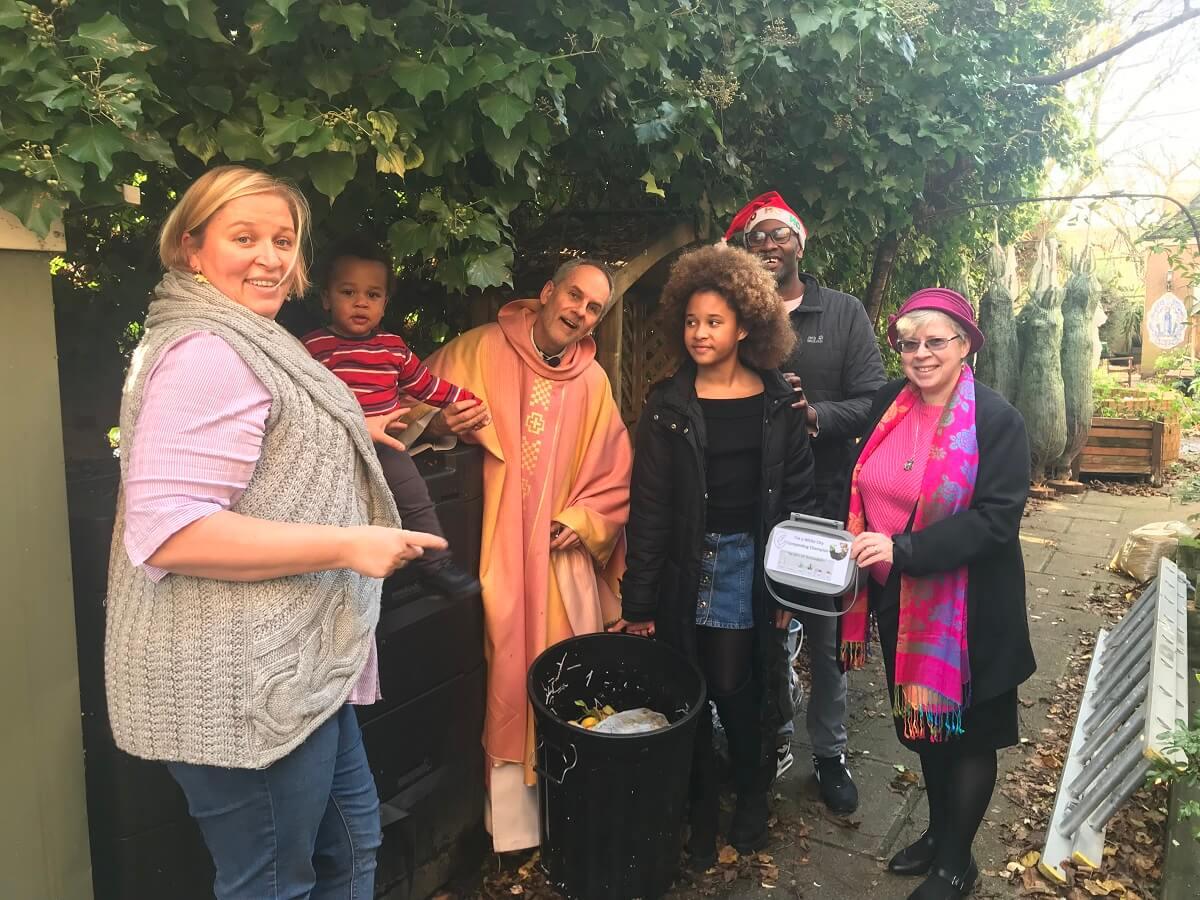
(916, 414)
(553, 360)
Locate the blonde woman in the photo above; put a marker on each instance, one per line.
(253, 532)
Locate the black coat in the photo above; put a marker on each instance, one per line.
(837, 359)
(985, 538)
(668, 495)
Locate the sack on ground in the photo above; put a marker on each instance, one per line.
(1144, 547)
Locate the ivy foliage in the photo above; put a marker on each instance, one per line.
(454, 126)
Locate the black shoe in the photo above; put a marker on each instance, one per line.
(452, 581)
(748, 831)
(838, 791)
(943, 885)
(915, 859)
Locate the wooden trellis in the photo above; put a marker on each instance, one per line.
(646, 358)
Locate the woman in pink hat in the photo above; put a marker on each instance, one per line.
(935, 500)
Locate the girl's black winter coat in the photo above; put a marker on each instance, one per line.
(667, 513)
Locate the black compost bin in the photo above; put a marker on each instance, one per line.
(610, 805)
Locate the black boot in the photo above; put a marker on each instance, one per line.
(704, 803)
(752, 769)
(916, 858)
(945, 885)
(452, 581)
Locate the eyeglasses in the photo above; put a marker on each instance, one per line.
(779, 235)
(931, 344)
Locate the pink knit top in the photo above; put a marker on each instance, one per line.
(889, 491)
(199, 435)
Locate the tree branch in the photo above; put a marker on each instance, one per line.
(1091, 63)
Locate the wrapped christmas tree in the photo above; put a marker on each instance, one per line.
(1040, 393)
(996, 365)
(1080, 298)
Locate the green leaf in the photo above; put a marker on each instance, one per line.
(282, 6)
(201, 143)
(36, 207)
(526, 82)
(93, 144)
(491, 269)
(420, 79)
(843, 42)
(899, 137)
(150, 146)
(806, 22)
(505, 109)
(268, 28)
(504, 151)
(486, 228)
(383, 123)
(407, 238)
(390, 158)
(202, 21)
(285, 129)
(331, 172)
(319, 140)
(330, 77)
(267, 102)
(108, 38)
(353, 16)
(455, 57)
(214, 96)
(12, 16)
(238, 141)
(484, 68)
(635, 57)
(652, 185)
(181, 5)
(431, 202)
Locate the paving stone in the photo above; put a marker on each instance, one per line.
(1082, 529)
(1126, 501)
(1047, 521)
(1085, 545)
(1084, 511)
(1078, 565)
(1036, 556)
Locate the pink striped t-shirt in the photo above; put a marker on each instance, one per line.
(199, 435)
(889, 492)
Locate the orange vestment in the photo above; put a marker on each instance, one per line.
(556, 451)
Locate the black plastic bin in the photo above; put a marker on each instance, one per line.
(611, 806)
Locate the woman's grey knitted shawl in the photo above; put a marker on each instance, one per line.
(238, 674)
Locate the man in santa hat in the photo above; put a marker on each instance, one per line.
(836, 369)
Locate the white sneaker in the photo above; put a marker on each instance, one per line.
(783, 758)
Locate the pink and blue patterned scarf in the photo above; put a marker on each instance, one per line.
(932, 672)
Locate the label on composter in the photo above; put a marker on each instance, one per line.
(824, 558)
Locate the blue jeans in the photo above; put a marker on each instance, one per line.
(307, 826)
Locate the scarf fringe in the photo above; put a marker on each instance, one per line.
(854, 654)
(927, 714)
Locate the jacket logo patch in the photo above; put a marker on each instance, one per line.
(815, 339)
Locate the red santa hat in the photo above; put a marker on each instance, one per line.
(766, 206)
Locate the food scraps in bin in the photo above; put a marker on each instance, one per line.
(606, 720)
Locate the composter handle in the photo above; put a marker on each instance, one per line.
(566, 768)
(800, 607)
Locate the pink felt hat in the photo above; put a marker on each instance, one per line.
(943, 300)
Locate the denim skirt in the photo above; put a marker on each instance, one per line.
(725, 599)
